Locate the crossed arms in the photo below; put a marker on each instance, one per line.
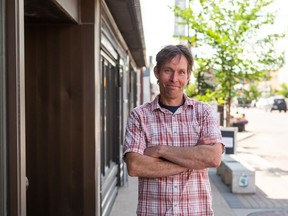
(161, 161)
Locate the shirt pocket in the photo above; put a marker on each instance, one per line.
(190, 133)
(158, 134)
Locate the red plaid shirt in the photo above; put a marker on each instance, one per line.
(187, 193)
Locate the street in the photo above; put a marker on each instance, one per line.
(267, 150)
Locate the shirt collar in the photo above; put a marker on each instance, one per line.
(187, 102)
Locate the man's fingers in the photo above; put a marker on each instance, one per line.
(206, 141)
(150, 151)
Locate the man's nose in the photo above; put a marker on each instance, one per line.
(173, 76)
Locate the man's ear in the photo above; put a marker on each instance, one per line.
(156, 72)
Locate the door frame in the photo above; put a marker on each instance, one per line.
(15, 96)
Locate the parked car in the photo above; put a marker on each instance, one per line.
(279, 104)
(244, 102)
(264, 104)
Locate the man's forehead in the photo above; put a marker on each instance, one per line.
(176, 60)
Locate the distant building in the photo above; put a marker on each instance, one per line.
(146, 82)
(180, 30)
(274, 83)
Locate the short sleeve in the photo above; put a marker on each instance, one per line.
(134, 136)
(210, 124)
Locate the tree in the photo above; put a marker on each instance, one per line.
(246, 96)
(208, 96)
(284, 90)
(252, 93)
(230, 40)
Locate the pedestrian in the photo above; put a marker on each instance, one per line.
(171, 142)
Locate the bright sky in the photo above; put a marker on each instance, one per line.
(158, 23)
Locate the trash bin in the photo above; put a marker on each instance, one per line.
(229, 137)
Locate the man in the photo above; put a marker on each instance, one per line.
(171, 141)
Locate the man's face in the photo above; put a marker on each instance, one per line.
(173, 78)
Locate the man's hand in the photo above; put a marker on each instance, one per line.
(152, 151)
(206, 141)
(209, 141)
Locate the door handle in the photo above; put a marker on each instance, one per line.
(27, 183)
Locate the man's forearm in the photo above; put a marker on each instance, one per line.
(196, 157)
(150, 167)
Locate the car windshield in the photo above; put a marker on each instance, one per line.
(278, 101)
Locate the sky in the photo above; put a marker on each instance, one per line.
(158, 24)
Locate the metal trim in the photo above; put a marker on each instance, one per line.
(3, 142)
(15, 92)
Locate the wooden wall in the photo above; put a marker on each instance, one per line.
(60, 115)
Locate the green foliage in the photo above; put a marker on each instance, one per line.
(208, 96)
(284, 90)
(211, 97)
(252, 93)
(230, 40)
(201, 73)
(191, 90)
(244, 101)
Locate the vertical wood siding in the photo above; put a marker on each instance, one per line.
(60, 119)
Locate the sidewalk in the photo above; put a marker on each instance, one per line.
(225, 203)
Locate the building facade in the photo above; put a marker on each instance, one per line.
(70, 73)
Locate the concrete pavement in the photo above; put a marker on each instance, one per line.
(225, 203)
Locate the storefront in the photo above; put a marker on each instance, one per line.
(71, 72)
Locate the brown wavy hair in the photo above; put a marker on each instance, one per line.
(170, 51)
